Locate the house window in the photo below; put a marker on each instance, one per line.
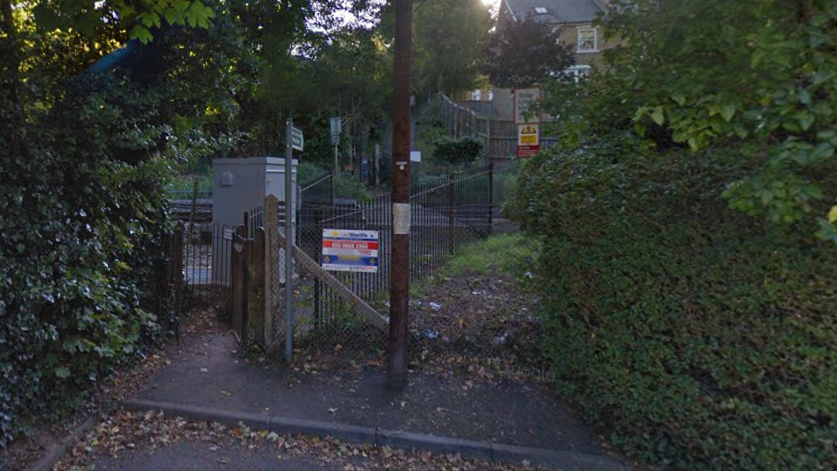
(476, 95)
(588, 40)
(541, 10)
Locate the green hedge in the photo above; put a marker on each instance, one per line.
(697, 337)
(82, 216)
(455, 151)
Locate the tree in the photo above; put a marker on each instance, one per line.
(448, 39)
(755, 75)
(99, 104)
(521, 54)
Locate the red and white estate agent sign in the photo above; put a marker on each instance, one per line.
(350, 250)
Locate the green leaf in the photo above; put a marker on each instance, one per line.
(679, 98)
(728, 111)
(141, 32)
(657, 116)
(61, 372)
(832, 215)
(757, 58)
(198, 15)
(806, 120)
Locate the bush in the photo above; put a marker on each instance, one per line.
(700, 338)
(450, 150)
(82, 213)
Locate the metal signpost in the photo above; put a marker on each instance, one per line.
(293, 140)
(350, 250)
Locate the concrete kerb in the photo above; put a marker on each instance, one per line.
(478, 450)
(563, 460)
(56, 453)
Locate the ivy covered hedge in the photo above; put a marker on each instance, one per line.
(82, 217)
(455, 151)
(699, 337)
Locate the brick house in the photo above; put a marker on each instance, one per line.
(574, 17)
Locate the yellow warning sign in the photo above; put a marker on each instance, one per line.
(528, 135)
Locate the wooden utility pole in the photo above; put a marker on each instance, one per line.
(400, 260)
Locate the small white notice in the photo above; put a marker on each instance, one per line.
(400, 218)
(415, 156)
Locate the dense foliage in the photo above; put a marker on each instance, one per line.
(86, 148)
(82, 221)
(522, 53)
(455, 151)
(698, 337)
(449, 39)
(688, 301)
(757, 75)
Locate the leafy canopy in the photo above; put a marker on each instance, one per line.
(758, 75)
(521, 54)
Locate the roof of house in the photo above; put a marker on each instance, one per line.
(557, 11)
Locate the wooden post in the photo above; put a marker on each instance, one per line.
(261, 325)
(239, 280)
(400, 253)
(271, 262)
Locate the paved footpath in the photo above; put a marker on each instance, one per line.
(495, 421)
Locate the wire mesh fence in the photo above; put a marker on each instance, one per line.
(481, 312)
(446, 214)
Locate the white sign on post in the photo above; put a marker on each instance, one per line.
(336, 129)
(349, 250)
(297, 140)
(524, 99)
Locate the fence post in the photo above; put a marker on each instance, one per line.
(270, 264)
(256, 287)
(452, 214)
(177, 280)
(239, 282)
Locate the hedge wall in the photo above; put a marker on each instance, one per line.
(698, 337)
(82, 216)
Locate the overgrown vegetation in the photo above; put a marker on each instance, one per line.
(87, 148)
(701, 338)
(509, 255)
(688, 301)
(523, 53)
(457, 151)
